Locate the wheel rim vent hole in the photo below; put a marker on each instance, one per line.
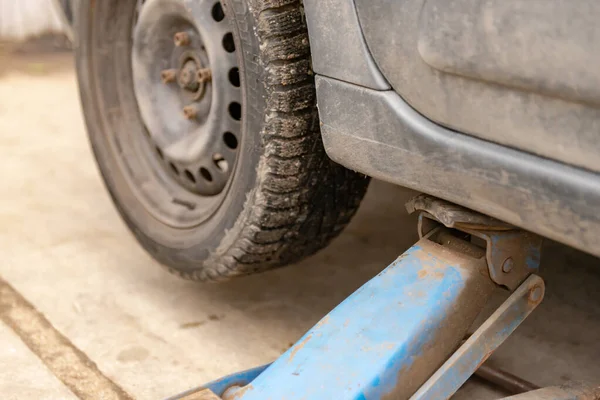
(234, 76)
(235, 110)
(228, 43)
(206, 174)
(230, 140)
(190, 176)
(217, 12)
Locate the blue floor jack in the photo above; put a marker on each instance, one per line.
(404, 334)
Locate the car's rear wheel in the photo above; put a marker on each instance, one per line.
(203, 122)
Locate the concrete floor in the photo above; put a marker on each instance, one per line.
(65, 250)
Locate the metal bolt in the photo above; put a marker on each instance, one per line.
(168, 75)
(181, 39)
(204, 75)
(508, 265)
(535, 294)
(190, 111)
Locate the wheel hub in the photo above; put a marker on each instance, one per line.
(188, 76)
(182, 59)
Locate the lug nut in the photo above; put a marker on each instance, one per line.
(168, 75)
(190, 111)
(204, 75)
(181, 39)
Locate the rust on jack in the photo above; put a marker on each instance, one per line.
(536, 293)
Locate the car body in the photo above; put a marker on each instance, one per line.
(490, 104)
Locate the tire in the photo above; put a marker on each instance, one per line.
(285, 199)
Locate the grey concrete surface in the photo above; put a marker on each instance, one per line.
(24, 376)
(65, 249)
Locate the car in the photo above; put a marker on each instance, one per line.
(237, 136)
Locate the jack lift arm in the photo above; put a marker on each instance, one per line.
(401, 335)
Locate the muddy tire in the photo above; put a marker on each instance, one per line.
(283, 199)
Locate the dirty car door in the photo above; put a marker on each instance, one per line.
(519, 73)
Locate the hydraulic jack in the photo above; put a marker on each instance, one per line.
(405, 333)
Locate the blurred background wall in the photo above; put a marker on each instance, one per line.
(24, 19)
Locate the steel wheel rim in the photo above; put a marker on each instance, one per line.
(181, 59)
(167, 196)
